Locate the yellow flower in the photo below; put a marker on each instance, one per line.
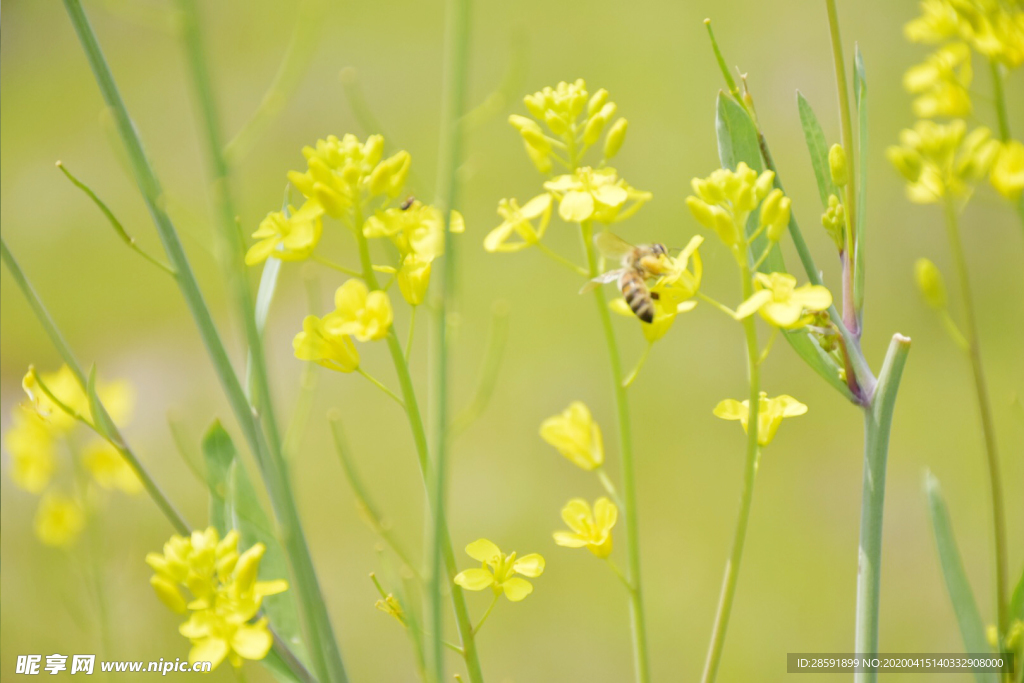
(225, 594)
(417, 229)
(782, 303)
(994, 29)
(595, 194)
(32, 449)
(724, 200)
(390, 605)
(942, 159)
(342, 172)
(118, 398)
(576, 435)
(109, 468)
(498, 571)
(1007, 174)
(289, 236)
(333, 351)
(671, 293)
(359, 312)
(942, 83)
(414, 278)
(771, 412)
(59, 520)
(590, 529)
(519, 221)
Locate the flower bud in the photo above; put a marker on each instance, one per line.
(764, 184)
(540, 159)
(534, 104)
(555, 122)
(616, 136)
(775, 214)
(597, 101)
(907, 162)
(535, 138)
(834, 221)
(837, 166)
(929, 281)
(521, 123)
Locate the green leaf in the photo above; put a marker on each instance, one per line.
(818, 148)
(972, 628)
(235, 505)
(737, 136)
(860, 93)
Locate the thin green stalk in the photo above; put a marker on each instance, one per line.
(419, 434)
(846, 133)
(490, 608)
(985, 412)
(877, 421)
(453, 106)
(732, 568)
(317, 627)
(636, 602)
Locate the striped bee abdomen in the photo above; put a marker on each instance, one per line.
(635, 291)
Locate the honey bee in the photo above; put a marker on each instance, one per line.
(639, 264)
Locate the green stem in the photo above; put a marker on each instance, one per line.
(380, 385)
(985, 412)
(412, 330)
(317, 627)
(846, 133)
(412, 411)
(636, 604)
(877, 421)
(453, 106)
(732, 567)
(635, 372)
(335, 266)
(490, 608)
(560, 260)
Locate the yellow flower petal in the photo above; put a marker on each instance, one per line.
(252, 641)
(569, 540)
(753, 304)
(731, 409)
(530, 565)
(517, 589)
(212, 650)
(475, 579)
(576, 207)
(483, 550)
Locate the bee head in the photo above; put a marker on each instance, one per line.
(659, 249)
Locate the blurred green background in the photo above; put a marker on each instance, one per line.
(797, 587)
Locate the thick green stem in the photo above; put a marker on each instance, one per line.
(846, 133)
(636, 601)
(453, 105)
(985, 412)
(419, 434)
(317, 628)
(732, 568)
(877, 421)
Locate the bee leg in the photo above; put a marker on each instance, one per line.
(655, 295)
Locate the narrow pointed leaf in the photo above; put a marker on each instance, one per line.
(737, 136)
(972, 628)
(860, 92)
(818, 148)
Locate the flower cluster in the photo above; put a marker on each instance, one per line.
(943, 160)
(770, 413)
(42, 426)
(994, 30)
(224, 595)
(352, 181)
(567, 122)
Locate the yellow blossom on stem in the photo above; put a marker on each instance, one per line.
(941, 84)
(771, 413)
(340, 172)
(109, 469)
(417, 229)
(994, 29)
(31, 446)
(324, 347)
(575, 435)
(518, 221)
(390, 605)
(498, 571)
(942, 159)
(1007, 175)
(59, 520)
(289, 236)
(782, 303)
(414, 278)
(358, 312)
(225, 595)
(724, 200)
(591, 529)
(595, 194)
(930, 283)
(834, 221)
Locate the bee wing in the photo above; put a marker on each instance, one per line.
(610, 276)
(611, 245)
